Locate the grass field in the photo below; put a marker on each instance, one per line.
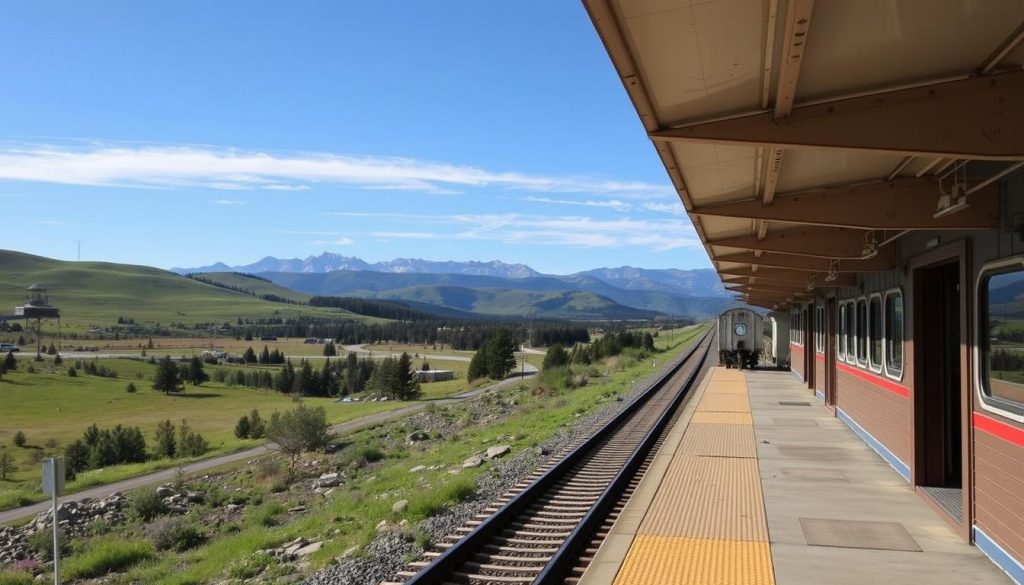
(53, 409)
(92, 294)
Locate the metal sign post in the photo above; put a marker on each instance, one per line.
(53, 485)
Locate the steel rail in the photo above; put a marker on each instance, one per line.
(446, 564)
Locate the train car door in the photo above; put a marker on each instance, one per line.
(941, 399)
(830, 352)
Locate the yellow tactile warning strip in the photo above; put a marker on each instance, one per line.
(708, 497)
(725, 418)
(663, 560)
(719, 440)
(724, 403)
(706, 524)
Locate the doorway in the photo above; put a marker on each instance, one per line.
(809, 345)
(938, 392)
(830, 352)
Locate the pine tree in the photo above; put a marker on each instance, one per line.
(168, 378)
(7, 465)
(257, 428)
(10, 362)
(249, 356)
(285, 379)
(242, 429)
(407, 386)
(305, 382)
(556, 357)
(328, 379)
(265, 356)
(166, 444)
(478, 365)
(648, 342)
(76, 456)
(501, 355)
(196, 374)
(329, 349)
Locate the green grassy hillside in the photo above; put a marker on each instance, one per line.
(96, 294)
(519, 302)
(258, 286)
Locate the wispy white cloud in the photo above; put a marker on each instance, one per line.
(53, 222)
(404, 235)
(675, 208)
(609, 203)
(224, 201)
(234, 169)
(334, 242)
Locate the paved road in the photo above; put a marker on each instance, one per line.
(166, 475)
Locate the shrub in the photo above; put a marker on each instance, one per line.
(16, 578)
(175, 533)
(146, 505)
(267, 514)
(250, 566)
(41, 543)
(19, 439)
(50, 443)
(105, 557)
(190, 444)
(298, 430)
(72, 372)
(242, 428)
(130, 388)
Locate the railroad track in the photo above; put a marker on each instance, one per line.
(546, 529)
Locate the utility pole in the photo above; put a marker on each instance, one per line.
(79, 242)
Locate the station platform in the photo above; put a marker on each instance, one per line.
(758, 484)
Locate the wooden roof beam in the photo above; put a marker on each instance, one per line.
(973, 118)
(777, 275)
(821, 242)
(879, 263)
(901, 204)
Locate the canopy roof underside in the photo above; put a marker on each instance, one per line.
(804, 137)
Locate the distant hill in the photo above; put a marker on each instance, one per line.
(96, 294)
(519, 303)
(401, 286)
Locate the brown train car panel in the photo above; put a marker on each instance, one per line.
(999, 481)
(796, 360)
(879, 405)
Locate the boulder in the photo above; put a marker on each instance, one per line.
(165, 491)
(329, 480)
(474, 461)
(498, 451)
(309, 549)
(400, 506)
(382, 526)
(417, 469)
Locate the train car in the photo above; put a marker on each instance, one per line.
(740, 338)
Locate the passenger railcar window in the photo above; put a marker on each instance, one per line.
(741, 329)
(851, 333)
(875, 332)
(1002, 340)
(862, 332)
(842, 332)
(894, 334)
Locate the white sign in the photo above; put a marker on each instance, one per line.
(53, 476)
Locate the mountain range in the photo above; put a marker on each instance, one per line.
(495, 288)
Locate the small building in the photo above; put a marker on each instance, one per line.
(434, 375)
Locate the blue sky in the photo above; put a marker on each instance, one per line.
(183, 133)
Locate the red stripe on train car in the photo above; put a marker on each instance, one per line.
(879, 381)
(820, 357)
(998, 428)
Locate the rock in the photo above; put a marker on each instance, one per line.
(233, 507)
(404, 524)
(382, 525)
(165, 491)
(195, 497)
(498, 451)
(417, 469)
(329, 480)
(296, 509)
(308, 549)
(400, 506)
(474, 461)
(417, 436)
(349, 552)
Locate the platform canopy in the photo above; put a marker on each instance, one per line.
(805, 137)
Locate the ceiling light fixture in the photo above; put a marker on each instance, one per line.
(953, 189)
